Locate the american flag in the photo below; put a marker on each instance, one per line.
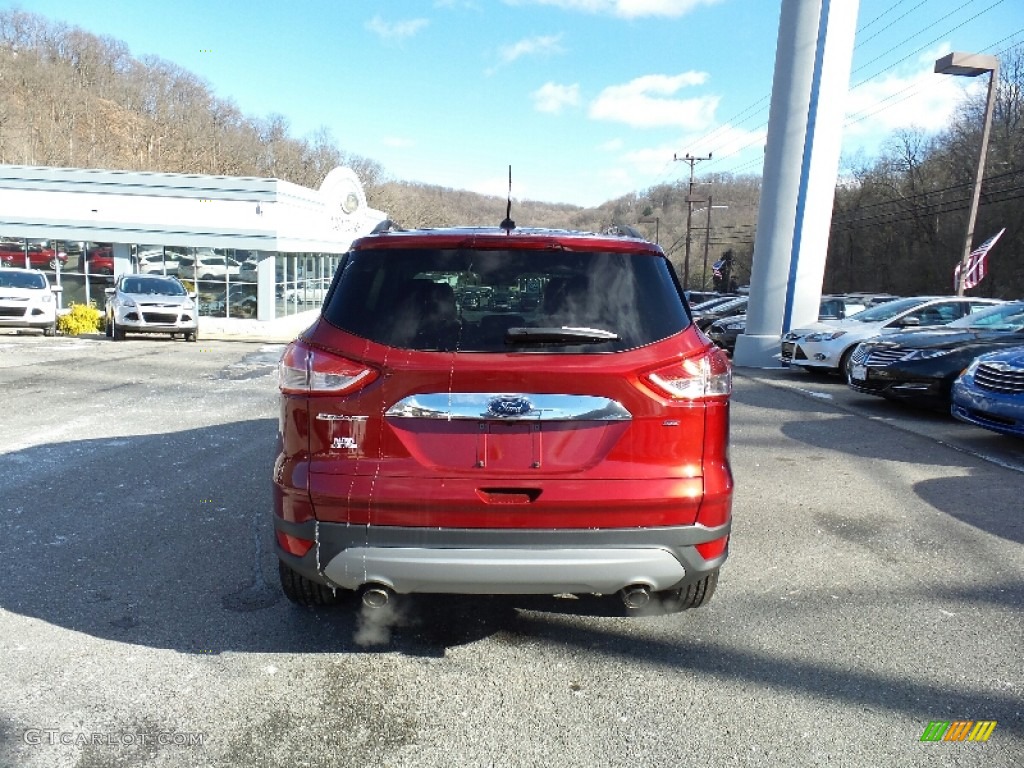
(716, 268)
(976, 263)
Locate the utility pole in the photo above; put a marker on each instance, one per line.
(690, 200)
(707, 244)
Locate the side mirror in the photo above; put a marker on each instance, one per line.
(108, 291)
(57, 288)
(910, 322)
(192, 294)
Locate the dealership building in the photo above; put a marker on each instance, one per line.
(250, 247)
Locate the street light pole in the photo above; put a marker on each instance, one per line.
(972, 65)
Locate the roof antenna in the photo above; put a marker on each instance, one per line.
(508, 225)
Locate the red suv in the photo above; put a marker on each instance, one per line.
(97, 260)
(496, 411)
(12, 254)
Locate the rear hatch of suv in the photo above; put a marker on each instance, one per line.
(488, 380)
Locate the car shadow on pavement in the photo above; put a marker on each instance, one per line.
(160, 541)
(990, 500)
(756, 389)
(690, 654)
(858, 437)
(166, 540)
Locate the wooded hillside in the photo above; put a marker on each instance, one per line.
(71, 98)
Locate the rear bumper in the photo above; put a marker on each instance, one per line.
(482, 561)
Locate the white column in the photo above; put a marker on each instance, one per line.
(266, 301)
(812, 67)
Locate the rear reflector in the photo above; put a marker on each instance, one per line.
(293, 545)
(709, 550)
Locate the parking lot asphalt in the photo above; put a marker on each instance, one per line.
(875, 584)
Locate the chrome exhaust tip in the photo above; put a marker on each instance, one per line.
(636, 596)
(376, 595)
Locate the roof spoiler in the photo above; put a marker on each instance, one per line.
(385, 226)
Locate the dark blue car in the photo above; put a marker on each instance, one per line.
(990, 393)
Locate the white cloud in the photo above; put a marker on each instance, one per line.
(619, 179)
(627, 9)
(395, 30)
(641, 103)
(553, 98)
(922, 100)
(544, 45)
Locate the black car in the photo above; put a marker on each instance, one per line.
(921, 366)
(737, 306)
(725, 330)
(694, 298)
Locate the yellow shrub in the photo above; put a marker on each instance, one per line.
(83, 318)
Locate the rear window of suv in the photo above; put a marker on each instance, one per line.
(506, 300)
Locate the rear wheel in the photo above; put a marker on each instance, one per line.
(303, 591)
(691, 596)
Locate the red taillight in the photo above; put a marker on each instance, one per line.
(694, 378)
(293, 545)
(305, 370)
(709, 550)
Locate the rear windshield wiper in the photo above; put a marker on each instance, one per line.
(562, 335)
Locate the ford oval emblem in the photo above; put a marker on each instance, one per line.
(508, 406)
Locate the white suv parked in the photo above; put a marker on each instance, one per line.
(827, 346)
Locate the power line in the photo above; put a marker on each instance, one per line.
(757, 107)
(880, 72)
(882, 15)
(927, 193)
(923, 47)
(915, 88)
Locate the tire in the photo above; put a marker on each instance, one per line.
(50, 330)
(117, 333)
(844, 364)
(302, 591)
(53, 264)
(192, 336)
(109, 330)
(691, 596)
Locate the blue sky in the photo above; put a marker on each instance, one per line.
(586, 99)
